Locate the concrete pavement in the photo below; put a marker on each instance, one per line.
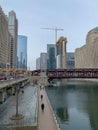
(27, 107)
(46, 120)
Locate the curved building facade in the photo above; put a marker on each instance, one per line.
(22, 52)
(87, 55)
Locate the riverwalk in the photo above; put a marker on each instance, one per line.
(46, 120)
(27, 106)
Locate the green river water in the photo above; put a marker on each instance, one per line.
(75, 104)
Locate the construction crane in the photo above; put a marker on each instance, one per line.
(55, 29)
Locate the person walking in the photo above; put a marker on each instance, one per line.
(41, 96)
(42, 107)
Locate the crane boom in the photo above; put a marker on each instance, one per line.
(55, 29)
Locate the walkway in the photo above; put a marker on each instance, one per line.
(27, 107)
(45, 119)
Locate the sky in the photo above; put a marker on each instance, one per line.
(76, 17)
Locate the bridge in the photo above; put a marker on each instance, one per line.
(8, 87)
(72, 73)
(68, 73)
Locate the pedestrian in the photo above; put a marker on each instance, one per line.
(42, 107)
(41, 96)
(22, 91)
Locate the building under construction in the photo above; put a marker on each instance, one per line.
(61, 53)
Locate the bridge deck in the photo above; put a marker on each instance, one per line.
(6, 83)
(69, 73)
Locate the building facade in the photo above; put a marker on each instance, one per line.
(70, 60)
(87, 55)
(13, 29)
(61, 53)
(22, 52)
(38, 63)
(4, 40)
(43, 61)
(51, 59)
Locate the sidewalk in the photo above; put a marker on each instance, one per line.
(26, 106)
(45, 119)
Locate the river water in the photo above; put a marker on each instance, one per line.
(75, 105)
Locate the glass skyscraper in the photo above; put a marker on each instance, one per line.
(22, 52)
(51, 62)
(13, 29)
(70, 60)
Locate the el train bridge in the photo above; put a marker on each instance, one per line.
(68, 73)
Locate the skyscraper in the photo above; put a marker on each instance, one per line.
(22, 52)
(61, 53)
(51, 61)
(38, 63)
(70, 60)
(13, 29)
(87, 55)
(4, 40)
(43, 61)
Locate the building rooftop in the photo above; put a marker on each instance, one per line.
(61, 39)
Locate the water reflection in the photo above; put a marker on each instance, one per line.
(77, 104)
(62, 114)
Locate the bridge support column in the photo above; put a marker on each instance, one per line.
(1, 100)
(9, 92)
(3, 96)
(23, 84)
(13, 90)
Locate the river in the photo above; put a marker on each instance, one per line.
(75, 105)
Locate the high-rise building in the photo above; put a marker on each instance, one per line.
(4, 40)
(70, 60)
(87, 55)
(22, 52)
(61, 53)
(51, 59)
(43, 61)
(13, 29)
(38, 63)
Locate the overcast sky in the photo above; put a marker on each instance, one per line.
(76, 17)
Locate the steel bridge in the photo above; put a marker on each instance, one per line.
(69, 73)
(72, 73)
